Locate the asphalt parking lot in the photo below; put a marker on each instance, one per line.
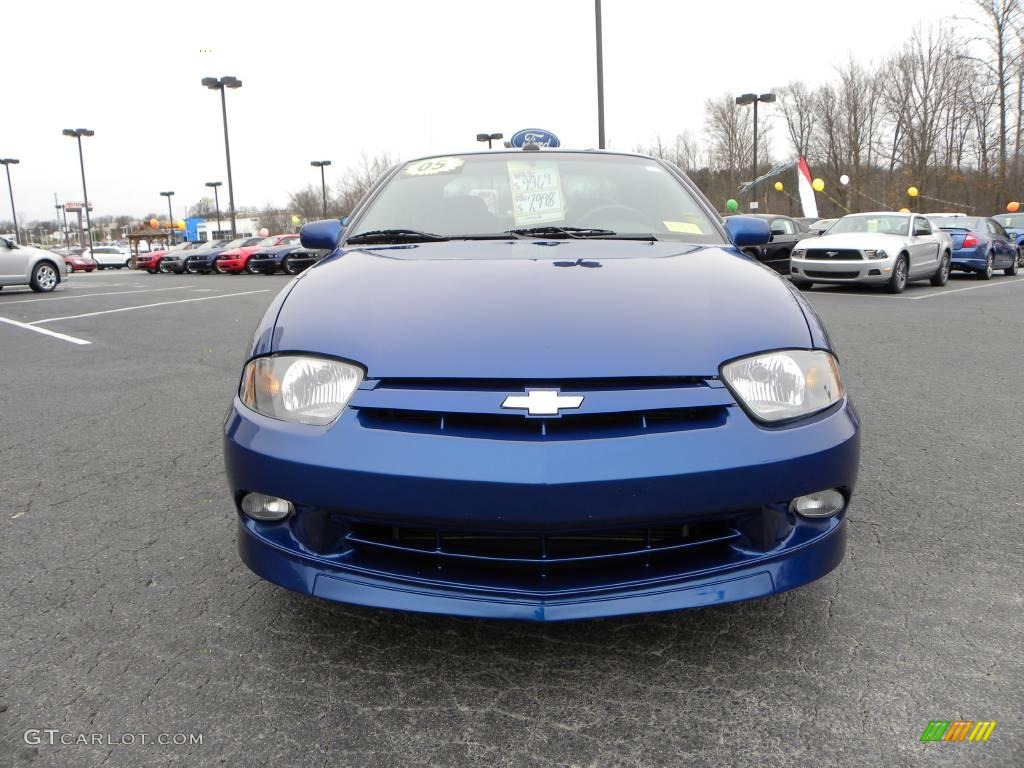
(126, 610)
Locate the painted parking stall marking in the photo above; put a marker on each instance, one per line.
(64, 297)
(145, 306)
(45, 332)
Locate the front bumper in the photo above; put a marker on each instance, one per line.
(264, 265)
(734, 475)
(862, 271)
(230, 265)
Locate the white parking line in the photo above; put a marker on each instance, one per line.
(45, 331)
(996, 284)
(147, 306)
(87, 295)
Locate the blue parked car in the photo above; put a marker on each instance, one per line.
(980, 244)
(290, 259)
(540, 385)
(1013, 223)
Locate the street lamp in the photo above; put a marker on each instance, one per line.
(7, 163)
(170, 216)
(321, 164)
(78, 133)
(489, 137)
(753, 98)
(58, 207)
(216, 202)
(221, 85)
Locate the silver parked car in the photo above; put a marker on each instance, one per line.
(23, 265)
(884, 248)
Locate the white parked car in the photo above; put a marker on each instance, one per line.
(24, 265)
(883, 248)
(110, 256)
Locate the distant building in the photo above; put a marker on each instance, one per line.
(208, 229)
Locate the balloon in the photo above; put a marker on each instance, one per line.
(904, 210)
(1013, 207)
(264, 232)
(154, 223)
(296, 220)
(844, 179)
(818, 185)
(732, 205)
(912, 191)
(179, 224)
(778, 186)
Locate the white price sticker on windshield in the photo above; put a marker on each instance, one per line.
(434, 165)
(536, 192)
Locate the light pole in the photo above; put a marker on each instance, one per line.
(58, 207)
(78, 133)
(8, 162)
(321, 164)
(170, 216)
(489, 137)
(221, 85)
(216, 202)
(600, 75)
(753, 98)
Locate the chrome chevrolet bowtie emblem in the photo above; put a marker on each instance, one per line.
(543, 402)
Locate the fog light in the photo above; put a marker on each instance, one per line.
(266, 508)
(820, 504)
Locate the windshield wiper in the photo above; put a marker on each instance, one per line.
(576, 232)
(395, 236)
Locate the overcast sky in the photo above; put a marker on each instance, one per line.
(325, 80)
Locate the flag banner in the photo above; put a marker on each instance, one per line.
(778, 170)
(803, 178)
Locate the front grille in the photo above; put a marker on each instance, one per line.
(474, 407)
(567, 427)
(834, 275)
(834, 254)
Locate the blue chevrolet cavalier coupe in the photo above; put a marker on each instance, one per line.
(540, 385)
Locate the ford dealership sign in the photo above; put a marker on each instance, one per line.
(537, 136)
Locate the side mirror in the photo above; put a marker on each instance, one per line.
(747, 230)
(321, 234)
(778, 232)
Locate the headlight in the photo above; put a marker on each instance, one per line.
(776, 386)
(876, 254)
(799, 252)
(309, 390)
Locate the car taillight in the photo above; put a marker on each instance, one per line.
(970, 241)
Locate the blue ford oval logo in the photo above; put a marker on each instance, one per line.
(537, 136)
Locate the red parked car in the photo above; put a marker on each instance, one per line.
(151, 261)
(237, 259)
(80, 263)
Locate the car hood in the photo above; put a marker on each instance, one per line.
(538, 310)
(852, 240)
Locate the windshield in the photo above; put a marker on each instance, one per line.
(962, 222)
(602, 195)
(233, 244)
(1011, 221)
(883, 224)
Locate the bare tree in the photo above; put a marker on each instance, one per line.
(684, 151)
(1002, 18)
(357, 180)
(799, 107)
